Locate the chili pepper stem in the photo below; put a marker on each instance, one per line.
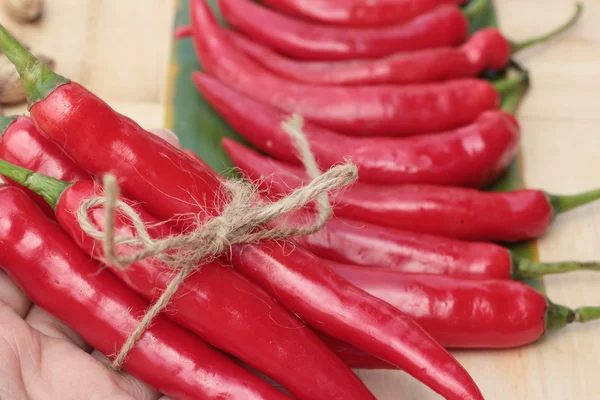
(512, 100)
(506, 85)
(475, 8)
(528, 269)
(518, 46)
(38, 79)
(558, 316)
(564, 203)
(5, 123)
(585, 314)
(49, 188)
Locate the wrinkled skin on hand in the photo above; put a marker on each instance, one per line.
(41, 358)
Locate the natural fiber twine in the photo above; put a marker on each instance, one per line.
(245, 219)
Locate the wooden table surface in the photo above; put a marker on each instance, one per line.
(120, 50)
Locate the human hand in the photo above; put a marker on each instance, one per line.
(41, 358)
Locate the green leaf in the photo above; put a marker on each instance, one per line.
(201, 129)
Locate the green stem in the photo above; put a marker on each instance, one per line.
(585, 314)
(49, 188)
(476, 8)
(528, 269)
(37, 78)
(516, 47)
(512, 100)
(5, 122)
(564, 203)
(506, 85)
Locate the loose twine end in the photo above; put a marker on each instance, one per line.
(243, 220)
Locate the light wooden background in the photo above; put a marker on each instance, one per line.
(119, 49)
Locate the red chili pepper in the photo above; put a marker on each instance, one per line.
(60, 278)
(486, 49)
(222, 307)
(21, 143)
(169, 183)
(447, 158)
(460, 213)
(358, 12)
(365, 110)
(359, 243)
(443, 26)
(238, 317)
(465, 313)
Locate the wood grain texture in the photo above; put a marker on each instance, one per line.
(119, 49)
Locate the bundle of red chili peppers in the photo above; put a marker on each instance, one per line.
(402, 272)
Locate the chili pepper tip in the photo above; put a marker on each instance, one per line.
(49, 188)
(528, 269)
(564, 203)
(518, 46)
(37, 78)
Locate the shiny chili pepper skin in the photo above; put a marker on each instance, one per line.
(443, 26)
(386, 110)
(357, 13)
(360, 243)
(278, 272)
(101, 140)
(224, 309)
(21, 143)
(462, 313)
(486, 49)
(474, 155)
(60, 278)
(459, 213)
(288, 272)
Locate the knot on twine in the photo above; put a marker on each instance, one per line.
(245, 219)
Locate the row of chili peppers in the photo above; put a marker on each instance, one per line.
(261, 310)
(417, 220)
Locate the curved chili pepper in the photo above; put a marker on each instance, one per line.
(446, 158)
(486, 49)
(168, 182)
(455, 212)
(443, 26)
(359, 243)
(237, 317)
(221, 307)
(60, 278)
(358, 12)
(465, 313)
(365, 110)
(21, 143)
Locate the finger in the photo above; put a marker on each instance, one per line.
(45, 323)
(13, 296)
(168, 136)
(136, 388)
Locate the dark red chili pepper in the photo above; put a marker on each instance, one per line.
(460, 213)
(474, 155)
(443, 26)
(358, 12)
(21, 143)
(486, 49)
(168, 183)
(365, 110)
(465, 313)
(359, 243)
(220, 306)
(60, 278)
